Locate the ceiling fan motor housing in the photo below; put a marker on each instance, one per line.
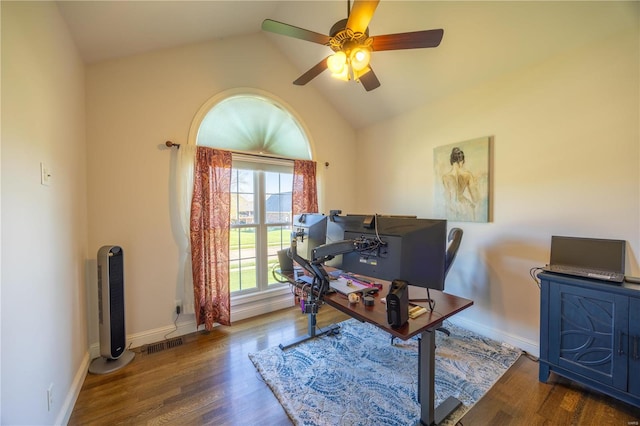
(342, 25)
(344, 39)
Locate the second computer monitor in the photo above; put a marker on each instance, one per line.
(410, 249)
(310, 231)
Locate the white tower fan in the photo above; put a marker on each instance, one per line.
(114, 354)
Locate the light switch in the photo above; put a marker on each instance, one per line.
(45, 174)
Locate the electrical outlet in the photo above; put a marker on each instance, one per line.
(178, 305)
(50, 397)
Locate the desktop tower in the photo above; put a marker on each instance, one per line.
(111, 312)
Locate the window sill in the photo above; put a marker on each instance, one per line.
(254, 304)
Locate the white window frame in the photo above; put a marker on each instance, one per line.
(260, 165)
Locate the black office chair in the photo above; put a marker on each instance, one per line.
(454, 239)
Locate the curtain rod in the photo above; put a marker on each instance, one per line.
(170, 144)
(273, 157)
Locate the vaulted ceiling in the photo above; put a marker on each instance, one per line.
(482, 40)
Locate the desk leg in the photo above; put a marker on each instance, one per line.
(426, 376)
(429, 415)
(311, 332)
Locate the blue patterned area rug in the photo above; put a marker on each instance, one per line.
(358, 378)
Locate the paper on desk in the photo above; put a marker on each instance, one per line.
(344, 286)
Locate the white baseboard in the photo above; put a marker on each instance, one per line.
(529, 346)
(152, 336)
(239, 312)
(261, 307)
(72, 396)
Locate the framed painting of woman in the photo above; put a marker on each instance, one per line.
(462, 172)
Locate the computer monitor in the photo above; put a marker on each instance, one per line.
(310, 231)
(405, 247)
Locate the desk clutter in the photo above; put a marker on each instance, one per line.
(416, 311)
(350, 283)
(346, 286)
(359, 289)
(344, 283)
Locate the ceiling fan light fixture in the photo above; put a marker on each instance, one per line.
(337, 63)
(342, 75)
(360, 57)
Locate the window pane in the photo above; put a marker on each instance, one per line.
(286, 181)
(234, 275)
(242, 259)
(278, 238)
(278, 188)
(243, 181)
(242, 196)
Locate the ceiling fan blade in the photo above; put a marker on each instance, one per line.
(413, 40)
(312, 73)
(291, 31)
(361, 15)
(369, 80)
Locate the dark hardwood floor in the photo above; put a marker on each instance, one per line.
(209, 379)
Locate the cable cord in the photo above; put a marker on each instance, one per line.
(375, 225)
(134, 350)
(275, 277)
(533, 274)
(175, 324)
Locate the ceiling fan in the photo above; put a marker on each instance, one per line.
(349, 39)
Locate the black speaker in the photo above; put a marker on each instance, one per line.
(398, 303)
(111, 311)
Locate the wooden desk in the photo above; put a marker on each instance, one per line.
(446, 305)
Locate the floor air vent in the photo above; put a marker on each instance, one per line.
(161, 346)
(174, 342)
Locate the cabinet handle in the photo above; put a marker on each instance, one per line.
(635, 348)
(620, 343)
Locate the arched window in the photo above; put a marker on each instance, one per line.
(254, 124)
(265, 137)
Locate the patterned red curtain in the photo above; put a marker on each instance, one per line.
(305, 191)
(210, 225)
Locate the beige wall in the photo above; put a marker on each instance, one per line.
(44, 228)
(566, 161)
(133, 106)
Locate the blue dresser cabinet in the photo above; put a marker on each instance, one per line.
(590, 333)
(634, 349)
